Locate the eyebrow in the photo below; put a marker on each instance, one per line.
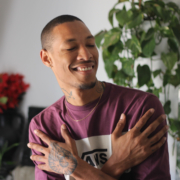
(72, 40)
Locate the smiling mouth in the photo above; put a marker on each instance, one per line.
(82, 69)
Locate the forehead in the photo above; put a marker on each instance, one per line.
(71, 30)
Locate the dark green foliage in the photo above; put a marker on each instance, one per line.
(130, 41)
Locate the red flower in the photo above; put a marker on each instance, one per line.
(13, 87)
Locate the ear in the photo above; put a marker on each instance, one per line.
(45, 58)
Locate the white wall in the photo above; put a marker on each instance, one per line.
(21, 23)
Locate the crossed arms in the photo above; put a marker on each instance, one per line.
(128, 150)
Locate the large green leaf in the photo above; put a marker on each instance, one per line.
(110, 69)
(173, 44)
(149, 34)
(175, 79)
(112, 37)
(110, 15)
(124, 16)
(176, 30)
(120, 78)
(169, 59)
(156, 72)
(167, 107)
(166, 31)
(134, 45)
(128, 66)
(156, 91)
(144, 74)
(148, 47)
(3, 100)
(173, 5)
(116, 48)
(108, 57)
(166, 78)
(98, 37)
(135, 21)
(174, 124)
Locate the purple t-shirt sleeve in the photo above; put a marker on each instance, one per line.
(39, 174)
(156, 166)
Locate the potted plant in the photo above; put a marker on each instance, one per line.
(129, 49)
(4, 170)
(12, 90)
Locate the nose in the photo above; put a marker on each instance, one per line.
(84, 54)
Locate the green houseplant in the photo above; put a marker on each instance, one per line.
(135, 36)
(3, 170)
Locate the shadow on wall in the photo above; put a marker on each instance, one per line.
(5, 9)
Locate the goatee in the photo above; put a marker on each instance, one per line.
(87, 86)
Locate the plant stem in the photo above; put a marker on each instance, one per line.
(168, 91)
(140, 4)
(165, 94)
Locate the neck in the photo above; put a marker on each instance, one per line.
(80, 97)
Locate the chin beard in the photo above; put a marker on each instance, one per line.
(87, 86)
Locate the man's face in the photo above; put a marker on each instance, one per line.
(74, 55)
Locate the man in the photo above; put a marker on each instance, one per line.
(89, 113)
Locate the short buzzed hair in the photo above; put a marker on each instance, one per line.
(46, 34)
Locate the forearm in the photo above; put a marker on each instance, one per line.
(112, 169)
(88, 172)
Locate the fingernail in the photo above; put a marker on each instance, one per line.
(30, 157)
(35, 131)
(122, 116)
(64, 126)
(152, 110)
(28, 145)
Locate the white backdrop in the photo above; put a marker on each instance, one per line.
(21, 23)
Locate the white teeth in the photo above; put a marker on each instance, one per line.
(84, 69)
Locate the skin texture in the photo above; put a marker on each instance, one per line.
(60, 160)
(73, 47)
(135, 147)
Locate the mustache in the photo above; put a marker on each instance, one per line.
(83, 62)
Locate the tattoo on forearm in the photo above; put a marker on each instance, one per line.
(69, 95)
(61, 161)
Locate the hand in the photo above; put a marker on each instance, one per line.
(134, 147)
(58, 157)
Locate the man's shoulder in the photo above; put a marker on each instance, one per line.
(50, 113)
(129, 93)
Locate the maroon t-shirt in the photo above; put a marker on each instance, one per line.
(93, 134)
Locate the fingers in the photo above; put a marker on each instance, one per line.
(142, 121)
(66, 135)
(44, 167)
(158, 145)
(158, 136)
(119, 127)
(43, 136)
(152, 127)
(38, 158)
(37, 147)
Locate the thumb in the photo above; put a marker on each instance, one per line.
(68, 139)
(119, 127)
(65, 134)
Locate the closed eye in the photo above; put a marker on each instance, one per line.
(71, 49)
(91, 45)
